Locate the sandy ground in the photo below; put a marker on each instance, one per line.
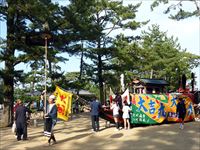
(76, 134)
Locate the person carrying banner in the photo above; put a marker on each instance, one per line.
(50, 119)
(181, 111)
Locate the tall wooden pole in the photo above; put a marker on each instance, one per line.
(46, 35)
(45, 76)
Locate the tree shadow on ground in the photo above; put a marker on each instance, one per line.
(164, 137)
(117, 135)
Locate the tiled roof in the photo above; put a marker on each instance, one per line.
(154, 81)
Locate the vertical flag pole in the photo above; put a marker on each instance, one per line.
(46, 35)
(45, 77)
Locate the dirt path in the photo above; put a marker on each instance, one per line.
(76, 134)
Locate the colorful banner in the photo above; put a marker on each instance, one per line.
(171, 108)
(155, 108)
(63, 102)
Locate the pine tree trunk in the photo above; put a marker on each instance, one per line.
(5, 116)
(8, 77)
(81, 69)
(100, 78)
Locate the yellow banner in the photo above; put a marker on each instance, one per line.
(63, 102)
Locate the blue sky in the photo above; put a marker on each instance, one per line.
(187, 31)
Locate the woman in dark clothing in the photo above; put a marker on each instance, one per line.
(181, 111)
(21, 121)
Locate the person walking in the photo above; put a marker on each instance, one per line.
(197, 111)
(115, 108)
(126, 109)
(181, 111)
(95, 107)
(21, 120)
(50, 119)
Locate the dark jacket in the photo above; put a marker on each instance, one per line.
(20, 115)
(181, 109)
(95, 107)
(53, 113)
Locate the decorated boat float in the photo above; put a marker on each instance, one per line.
(150, 103)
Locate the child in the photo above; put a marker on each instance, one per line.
(126, 109)
(115, 108)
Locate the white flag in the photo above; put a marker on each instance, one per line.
(122, 81)
(125, 96)
(111, 95)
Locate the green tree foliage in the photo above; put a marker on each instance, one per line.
(128, 58)
(106, 17)
(22, 17)
(164, 58)
(178, 6)
(153, 55)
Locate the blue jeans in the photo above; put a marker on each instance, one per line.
(95, 122)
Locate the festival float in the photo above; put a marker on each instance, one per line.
(151, 103)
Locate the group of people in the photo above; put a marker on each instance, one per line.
(95, 108)
(116, 115)
(115, 107)
(22, 116)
